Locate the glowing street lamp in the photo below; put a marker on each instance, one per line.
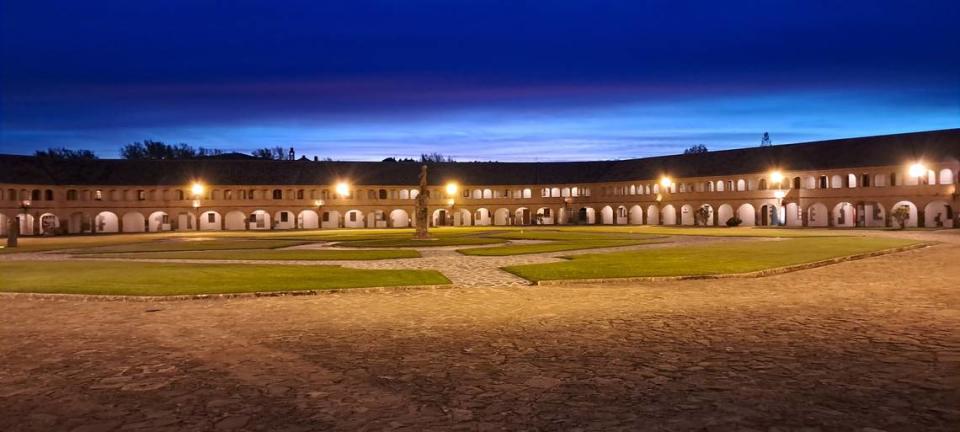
(665, 183)
(452, 188)
(319, 205)
(197, 189)
(777, 178)
(918, 170)
(343, 189)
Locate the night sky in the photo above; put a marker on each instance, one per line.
(478, 80)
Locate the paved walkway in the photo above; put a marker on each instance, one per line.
(862, 346)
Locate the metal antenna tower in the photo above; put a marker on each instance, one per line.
(765, 141)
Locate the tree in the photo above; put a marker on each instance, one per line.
(158, 150)
(271, 153)
(435, 157)
(699, 148)
(63, 153)
(901, 215)
(702, 215)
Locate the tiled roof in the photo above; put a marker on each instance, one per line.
(941, 145)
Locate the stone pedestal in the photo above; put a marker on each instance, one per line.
(13, 232)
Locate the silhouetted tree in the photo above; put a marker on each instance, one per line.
(435, 157)
(63, 153)
(149, 149)
(272, 153)
(699, 148)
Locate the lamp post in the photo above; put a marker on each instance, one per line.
(918, 170)
(196, 189)
(452, 189)
(776, 178)
(25, 206)
(343, 192)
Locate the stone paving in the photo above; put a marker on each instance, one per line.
(864, 345)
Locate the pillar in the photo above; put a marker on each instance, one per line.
(13, 231)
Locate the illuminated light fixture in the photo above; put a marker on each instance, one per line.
(196, 204)
(918, 170)
(343, 189)
(666, 182)
(450, 202)
(779, 194)
(776, 177)
(196, 189)
(452, 188)
(318, 203)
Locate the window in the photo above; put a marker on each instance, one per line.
(48, 195)
(250, 194)
(35, 195)
(228, 194)
(326, 216)
(211, 217)
(383, 194)
(865, 180)
(546, 212)
(179, 195)
(71, 195)
(353, 216)
(141, 195)
(371, 194)
(99, 195)
(299, 194)
(253, 217)
(823, 182)
(277, 194)
(284, 216)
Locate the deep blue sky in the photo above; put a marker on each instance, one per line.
(479, 80)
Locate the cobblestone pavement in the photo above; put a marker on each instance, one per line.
(864, 345)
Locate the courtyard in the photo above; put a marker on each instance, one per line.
(868, 344)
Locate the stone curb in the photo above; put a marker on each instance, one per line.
(756, 274)
(224, 296)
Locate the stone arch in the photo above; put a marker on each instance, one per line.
(747, 214)
(635, 216)
(133, 222)
(653, 214)
(620, 216)
(836, 182)
(3, 225)
(817, 215)
(235, 220)
(353, 219)
(938, 214)
(501, 216)
(49, 223)
(946, 176)
(210, 221)
(399, 218)
(259, 220)
(441, 217)
(522, 216)
(686, 215)
(724, 213)
(793, 216)
(308, 219)
(79, 222)
(586, 215)
(158, 221)
(482, 217)
(606, 215)
(741, 185)
(809, 182)
(487, 194)
(668, 214)
(872, 214)
(710, 213)
(463, 217)
(546, 216)
(284, 219)
(107, 222)
(844, 215)
(912, 221)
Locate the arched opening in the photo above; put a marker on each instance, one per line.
(817, 215)
(620, 216)
(844, 215)
(49, 223)
(668, 215)
(107, 222)
(284, 219)
(134, 222)
(836, 182)
(482, 217)
(258, 220)
(653, 215)
(741, 185)
(747, 214)
(792, 215)
(911, 220)
(441, 217)
(309, 219)
(545, 216)
(938, 214)
(687, 216)
(158, 221)
(235, 221)
(586, 216)
(703, 216)
(636, 215)
(501, 216)
(871, 214)
(26, 224)
(522, 216)
(4, 222)
(946, 176)
(399, 218)
(210, 221)
(724, 213)
(606, 215)
(463, 217)
(353, 219)
(80, 223)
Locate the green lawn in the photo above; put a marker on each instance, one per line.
(434, 242)
(707, 231)
(734, 257)
(271, 254)
(160, 279)
(190, 244)
(555, 246)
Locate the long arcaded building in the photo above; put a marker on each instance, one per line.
(856, 182)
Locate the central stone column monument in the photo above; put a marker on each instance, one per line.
(422, 215)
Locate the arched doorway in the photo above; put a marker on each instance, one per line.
(501, 217)
(606, 215)
(636, 215)
(792, 215)
(844, 215)
(817, 215)
(705, 216)
(586, 216)
(107, 222)
(911, 211)
(724, 213)
(399, 218)
(668, 215)
(235, 221)
(210, 221)
(158, 221)
(258, 220)
(545, 216)
(747, 214)
(482, 217)
(687, 217)
(522, 216)
(938, 214)
(353, 219)
(49, 223)
(653, 215)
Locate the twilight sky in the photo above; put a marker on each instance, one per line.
(478, 80)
